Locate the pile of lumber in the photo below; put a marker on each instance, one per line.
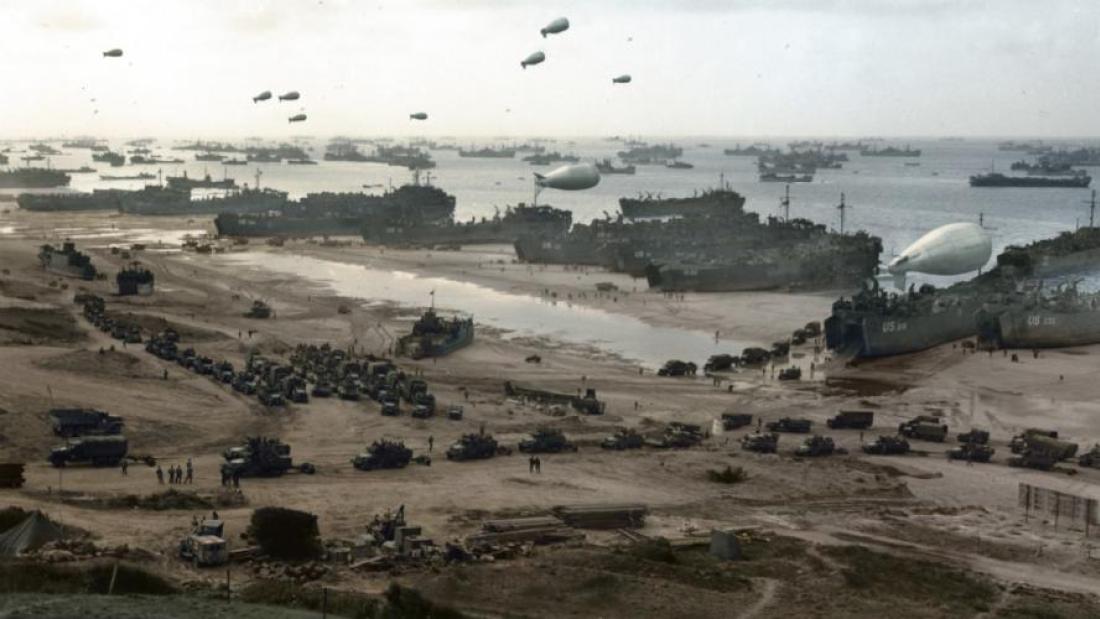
(605, 516)
(11, 475)
(534, 529)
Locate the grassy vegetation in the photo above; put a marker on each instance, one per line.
(398, 603)
(11, 516)
(26, 577)
(884, 576)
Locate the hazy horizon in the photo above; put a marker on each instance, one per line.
(750, 69)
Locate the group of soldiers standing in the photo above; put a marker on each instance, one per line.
(177, 474)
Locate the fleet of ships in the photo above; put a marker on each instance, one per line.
(703, 242)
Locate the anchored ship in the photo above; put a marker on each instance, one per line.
(488, 153)
(97, 200)
(995, 179)
(67, 261)
(185, 182)
(507, 228)
(433, 336)
(709, 202)
(890, 151)
(606, 167)
(340, 213)
(33, 178)
(657, 154)
(156, 200)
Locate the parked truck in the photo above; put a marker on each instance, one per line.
(70, 422)
(856, 420)
(789, 424)
(925, 428)
(98, 450)
(206, 545)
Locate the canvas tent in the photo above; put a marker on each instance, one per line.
(29, 535)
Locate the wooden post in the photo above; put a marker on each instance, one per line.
(227, 583)
(114, 575)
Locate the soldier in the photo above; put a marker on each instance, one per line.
(530, 464)
(124, 465)
(225, 478)
(538, 464)
(190, 472)
(236, 479)
(160, 475)
(431, 442)
(165, 373)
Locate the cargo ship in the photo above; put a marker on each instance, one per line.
(144, 176)
(996, 179)
(507, 228)
(185, 182)
(33, 178)
(874, 323)
(606, 167)
(487, 153)
(155, 200)
(97, 200)
(340, 213)
(772, 177)
(433, 336)
(657, 154)
(67, 261)
(548, 158)
(116, 160)
(890, 151)
(709, 202)
(756, 150)
(1065, 319)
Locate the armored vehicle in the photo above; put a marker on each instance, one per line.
(206, 545)
(925, 428)
(761, 443)
(260, 457)
(678, 435)
(624, 438)
(857, 420)
(971, 452)
(69, 422)
(975, 437)
(733, 421)
(473, 447)
(383, 454)
(788, 424)
(545, 440)
(1091, 458)
(259, 309)
(887, 446)
(819, 446)
(99, 450)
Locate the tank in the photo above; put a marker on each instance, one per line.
(678, 435)
(545, 440)
(971, 452)
(98, 450)
(818, 446)
(623, 438)
(766, 443)
(887, 446)
(260, 457)
(259, 309)
(733, 421)
(975, 437)
(473, 447)
(383, 454)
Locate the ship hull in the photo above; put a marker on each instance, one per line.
(877, 336)
(634, 209)
(1048, 329)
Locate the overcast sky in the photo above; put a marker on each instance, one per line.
(751, 67)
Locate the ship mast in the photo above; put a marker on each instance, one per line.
(259, 173)
(785, 202)
(842, 207)
(1092, 209)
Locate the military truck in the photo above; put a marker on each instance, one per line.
(390, 408)
(1091, 458)
(1020, 442)
(623, 438)
(383, 454)
(455, 412)
(721, 362)
(1037, 449)
(887, 446)
(975, 437)
(925, 428)
(98, 450)
(733, 421)
(971, 452)
(765, 443)
(791, 373)
(819, 446)
(261, 457)
(206, 545)
(546, 440)
(68, 422)
(676, 367)
(854, 420)
(789, 424)
(473, 447)
(270, 397)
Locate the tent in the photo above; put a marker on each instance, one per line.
(31, 534)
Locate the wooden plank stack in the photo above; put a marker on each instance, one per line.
(602, 516)
(534, 529)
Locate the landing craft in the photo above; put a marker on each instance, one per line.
(570, 177)
(290, 96)
(559, 25)
(419, 116)
(113, 53)
(263, 96)
(534, 58)
(622, 79)
(297, 118)
(953, 249)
